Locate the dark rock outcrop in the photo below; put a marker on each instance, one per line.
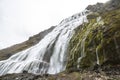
(100, 7)
(95, 8)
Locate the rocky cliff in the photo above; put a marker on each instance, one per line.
(98, 41)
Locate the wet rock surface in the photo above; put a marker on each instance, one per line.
(108, 74)
(96, 42)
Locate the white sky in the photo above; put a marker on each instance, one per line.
(20, 19)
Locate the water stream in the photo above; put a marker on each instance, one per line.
(49, 55)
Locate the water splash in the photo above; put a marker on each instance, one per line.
(97, 56)
(49, 55)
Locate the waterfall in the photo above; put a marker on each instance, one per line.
(82, 46)
(49, 55)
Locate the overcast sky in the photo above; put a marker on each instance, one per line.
(20, 19)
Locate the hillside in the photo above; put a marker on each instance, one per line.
(6, 53)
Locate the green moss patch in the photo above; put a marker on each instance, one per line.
(96, 42)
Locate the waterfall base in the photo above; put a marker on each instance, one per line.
(110, 73)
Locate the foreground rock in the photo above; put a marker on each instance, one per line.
(84, 75)
(100, 73)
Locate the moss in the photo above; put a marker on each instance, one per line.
(93, 16)
(100, 37)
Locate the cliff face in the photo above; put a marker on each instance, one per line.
(98, 41)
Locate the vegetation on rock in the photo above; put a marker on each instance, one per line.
(96, 42)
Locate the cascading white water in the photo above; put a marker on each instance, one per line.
(49, 55)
